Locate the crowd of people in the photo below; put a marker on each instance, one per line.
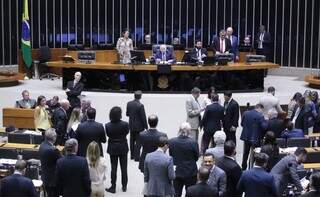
(81, 171)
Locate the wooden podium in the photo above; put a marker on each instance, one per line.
(19, 118)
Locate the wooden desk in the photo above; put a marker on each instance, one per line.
(313, 81)
(19, 118)
(313, 136)
(311, 165)
(20, 146)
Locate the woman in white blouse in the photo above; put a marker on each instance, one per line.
(74, 121)
(124, 46)
(97, 169)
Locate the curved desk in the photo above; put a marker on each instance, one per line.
(103, 76)
(314, 81)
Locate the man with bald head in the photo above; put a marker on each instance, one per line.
(164, 55)
(234, 43)
(73, 91)
(60, 121)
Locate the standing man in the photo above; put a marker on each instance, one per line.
(73, 91)
(49, 155)
(185, 153)
(73, 178)
(234, 43)
(270, 102)
(159, 172)
(253, 129)
(211, 121)
(221, 44)
(193, 108)
(198, 53)
(264, 43)
(149, 139)
(89, 131)
(217, 179)
(300, 115)
(60, 121)
(231, 116)
(258, 180)
(17, 185)
(137, 123)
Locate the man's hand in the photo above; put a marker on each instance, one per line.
(233, 128)
(67, 90)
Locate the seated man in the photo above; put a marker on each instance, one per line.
(26, 102)
(164, 55)
(198, 53)
(291, 132)
(221, 44)
(147, 43)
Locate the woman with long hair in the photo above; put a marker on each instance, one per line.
(271, 148)
(97, 169)
(41, 116)
(74, 121)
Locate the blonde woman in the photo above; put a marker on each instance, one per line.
(41, 117)
(74, 122)
(97, 169)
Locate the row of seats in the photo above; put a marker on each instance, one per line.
(12, 153)
(294, 142)
(24, 138)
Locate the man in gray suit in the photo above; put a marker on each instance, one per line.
(285, 171)
(193, 108)
(158, 172)
(26, 102)
(218, 178)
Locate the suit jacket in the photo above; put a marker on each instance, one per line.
(276, 125)
(212, 118)
(158, 174)
(193, 112)
(234, 45)
(74, 92)
(87, 132)
(285, 171)
(26, 104)
(17, 185)
(233, 172)
(311, 194)
(117, 133)
(257, 183)
(168, 54)
(137, 116)
(73, 177)
(201, 189)
(294, 133)
(218, 181)
(149, 140)
(185, 153)
(48, 157)
(302, 119)
(194, 53)
(266, 43)
(231, 115)
(216, 44)
(273, 152)
(254, 126)
(60, 121)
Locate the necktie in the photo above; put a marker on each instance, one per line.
(226, 104)
(221, 46)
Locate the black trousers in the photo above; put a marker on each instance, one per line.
(231, 135)
(179, 182)
(207, 137)
(135, 145)
(114, 166)
(50, 191)
(246, 151)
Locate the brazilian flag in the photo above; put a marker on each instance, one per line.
(25, 39)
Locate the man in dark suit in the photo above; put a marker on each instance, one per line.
(211, 121)
(264, 43)
(300, 115)
(16, 185)
(202, 189)
(314, 186)
(164, 55)
(234, 43)
(198, 53)
(49, 155)
(74, 89)
(253, 129)
(231, 116)
(60, 121)
(231, 168)
(285, 171)
(276, 125)
(72, 172)
(89, 131)
(137, 123)
(221, 44)
(257, 180)
(149, 139)
(185, 153)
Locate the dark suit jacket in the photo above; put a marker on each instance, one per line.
(201, 189)
(276, 125)
(149, 141)
(273, 152)
(257, 180)
(17, 185)
(137, 116)
(212, 118)
(117, 133)
(294, 133)
(311, 194)
(216, 44)
(87, 132)
(254, 126)
(73, 178)
(302, 119)
(234, 45)
(48, 157)
(169, 55)
(233, 172)
(266, 43)
(231, 115)
(60, 121)
(74, 93)
(185, 153)
(194, 53)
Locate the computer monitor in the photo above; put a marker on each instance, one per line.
(137, 56)
(224, 58)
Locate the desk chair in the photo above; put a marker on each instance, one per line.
(282, 143)
(298, 142)
(44, 57)
(19, 138)
(8, 153)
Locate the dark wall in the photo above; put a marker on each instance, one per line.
(293, 24)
